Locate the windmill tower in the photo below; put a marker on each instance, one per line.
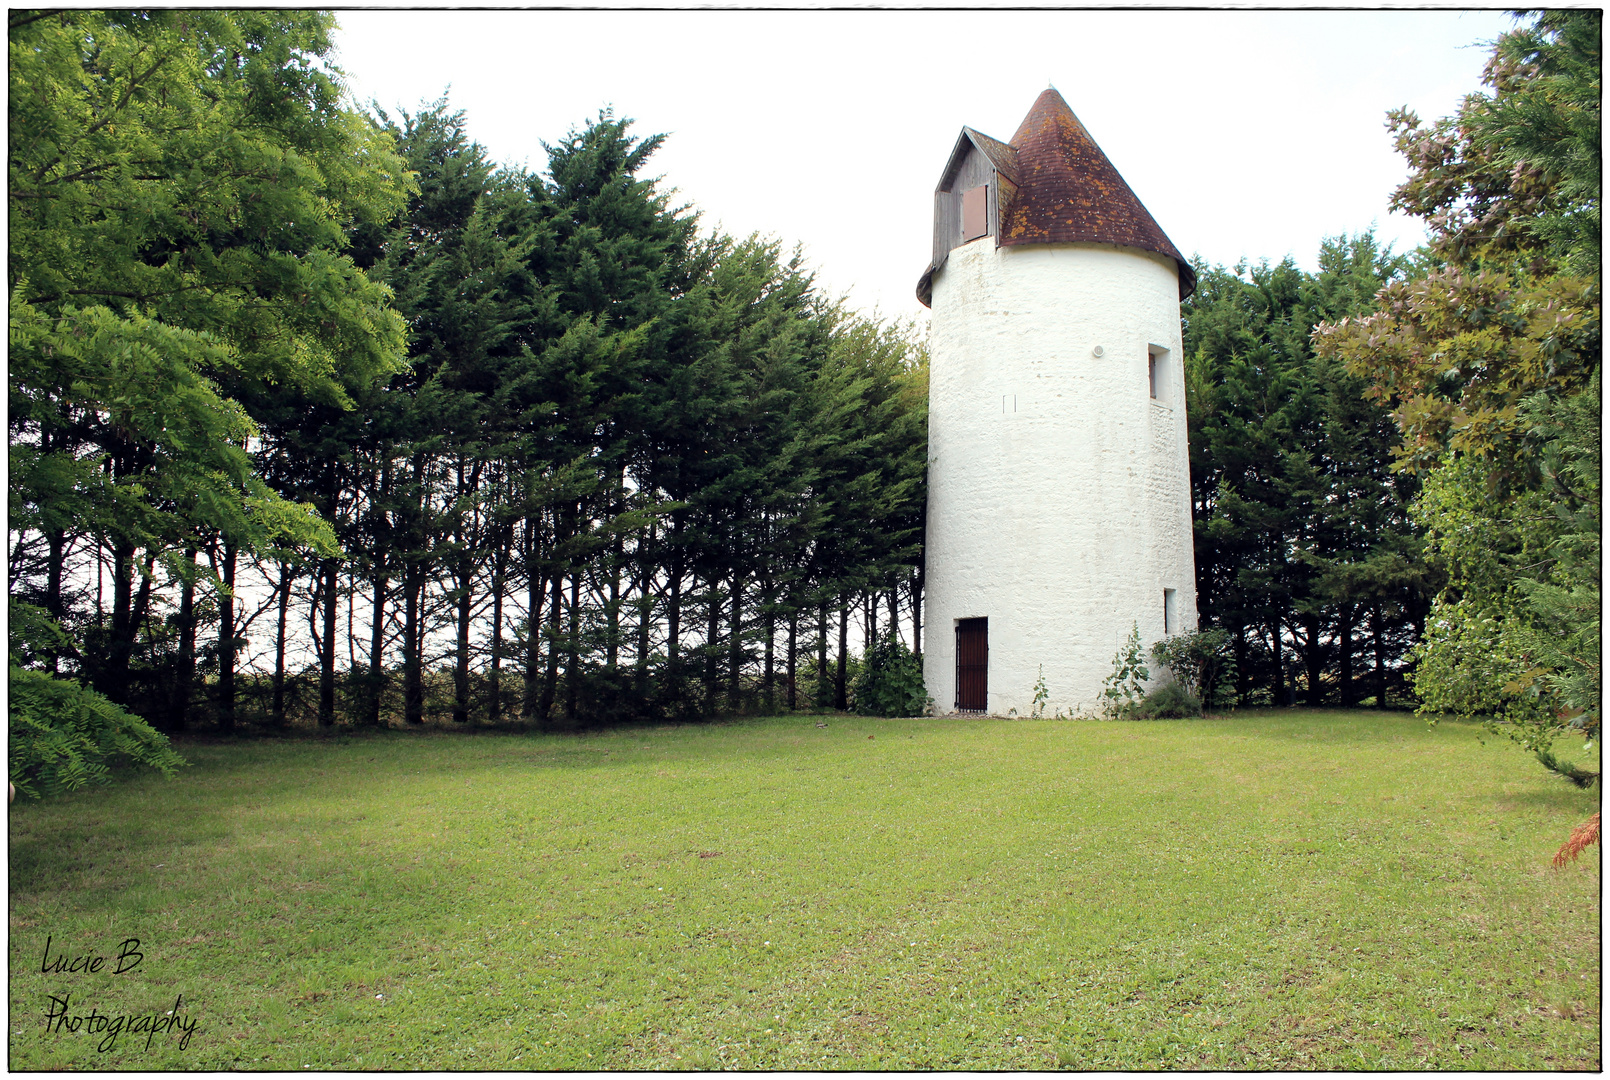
(1059, 512)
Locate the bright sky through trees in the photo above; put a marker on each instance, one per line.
(1245, 133)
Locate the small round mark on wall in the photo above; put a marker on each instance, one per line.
(1098, 352)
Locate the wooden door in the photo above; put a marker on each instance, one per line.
(972, 665)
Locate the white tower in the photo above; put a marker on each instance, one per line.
(1059, 503)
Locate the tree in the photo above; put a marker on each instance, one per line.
(635, 450)
(180, 188)
(1490, 362)
(1303, 537)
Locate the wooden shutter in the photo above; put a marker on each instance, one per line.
(972, 665)
(975, 204)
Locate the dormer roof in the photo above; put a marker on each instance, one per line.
(1001, 155)
(1066, 191)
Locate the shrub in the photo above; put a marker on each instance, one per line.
(1169, 701)
(889, 681)
(1204, 665)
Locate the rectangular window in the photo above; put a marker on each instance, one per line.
(972, 665)
(1169, 621)
(1160, 375)
(975, 207)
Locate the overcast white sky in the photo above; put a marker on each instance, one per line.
(1245, 133)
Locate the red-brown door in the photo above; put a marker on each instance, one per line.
(972, 665)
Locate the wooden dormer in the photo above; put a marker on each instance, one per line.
(974, 192)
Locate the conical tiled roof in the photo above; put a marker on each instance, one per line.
(1069, 192)
(1062, 189)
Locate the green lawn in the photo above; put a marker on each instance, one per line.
(1286, 889)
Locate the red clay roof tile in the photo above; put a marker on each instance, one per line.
(1069, 192)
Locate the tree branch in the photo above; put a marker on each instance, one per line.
(33, 18)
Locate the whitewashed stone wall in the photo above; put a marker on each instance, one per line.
(1058, 490)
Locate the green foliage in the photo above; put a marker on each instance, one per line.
(1042, 694)
(181, 190)
(34, 634)
(1562, 596)
(889, 682)
(1515, 637)
(1170, 701)
(1203, 663)
(1465, 660)
(1123, 689)
(1510, 305)
(1517, 172)
(1303, 538)
(1491, 361)
(618, 456)
(1544, 124)
(64, 735)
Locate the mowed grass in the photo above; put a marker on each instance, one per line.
(1284, 889)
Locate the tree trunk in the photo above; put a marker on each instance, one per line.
(279, 643)
(114, 682)
(377, 648)
(461, 659)
(1314, 655)
(1243, 675)
(57, 541)
(1349, 614)
(735, 646)
(612, 619)
(793, 655)
(1280, 666)
(327, 661)
(916, 612)
(917, 587)
(823, 693)
(462, 571)
(226, 642)
(768, 678)
(352, 636)
(536, 584)
(500, 565)
(645, 613)
(185, 669)
(100, 581)
(573, 665)
(413, 645)
(1380, 656)
(673, 620)
(551, 681)
(841, 696)
(712, 637)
